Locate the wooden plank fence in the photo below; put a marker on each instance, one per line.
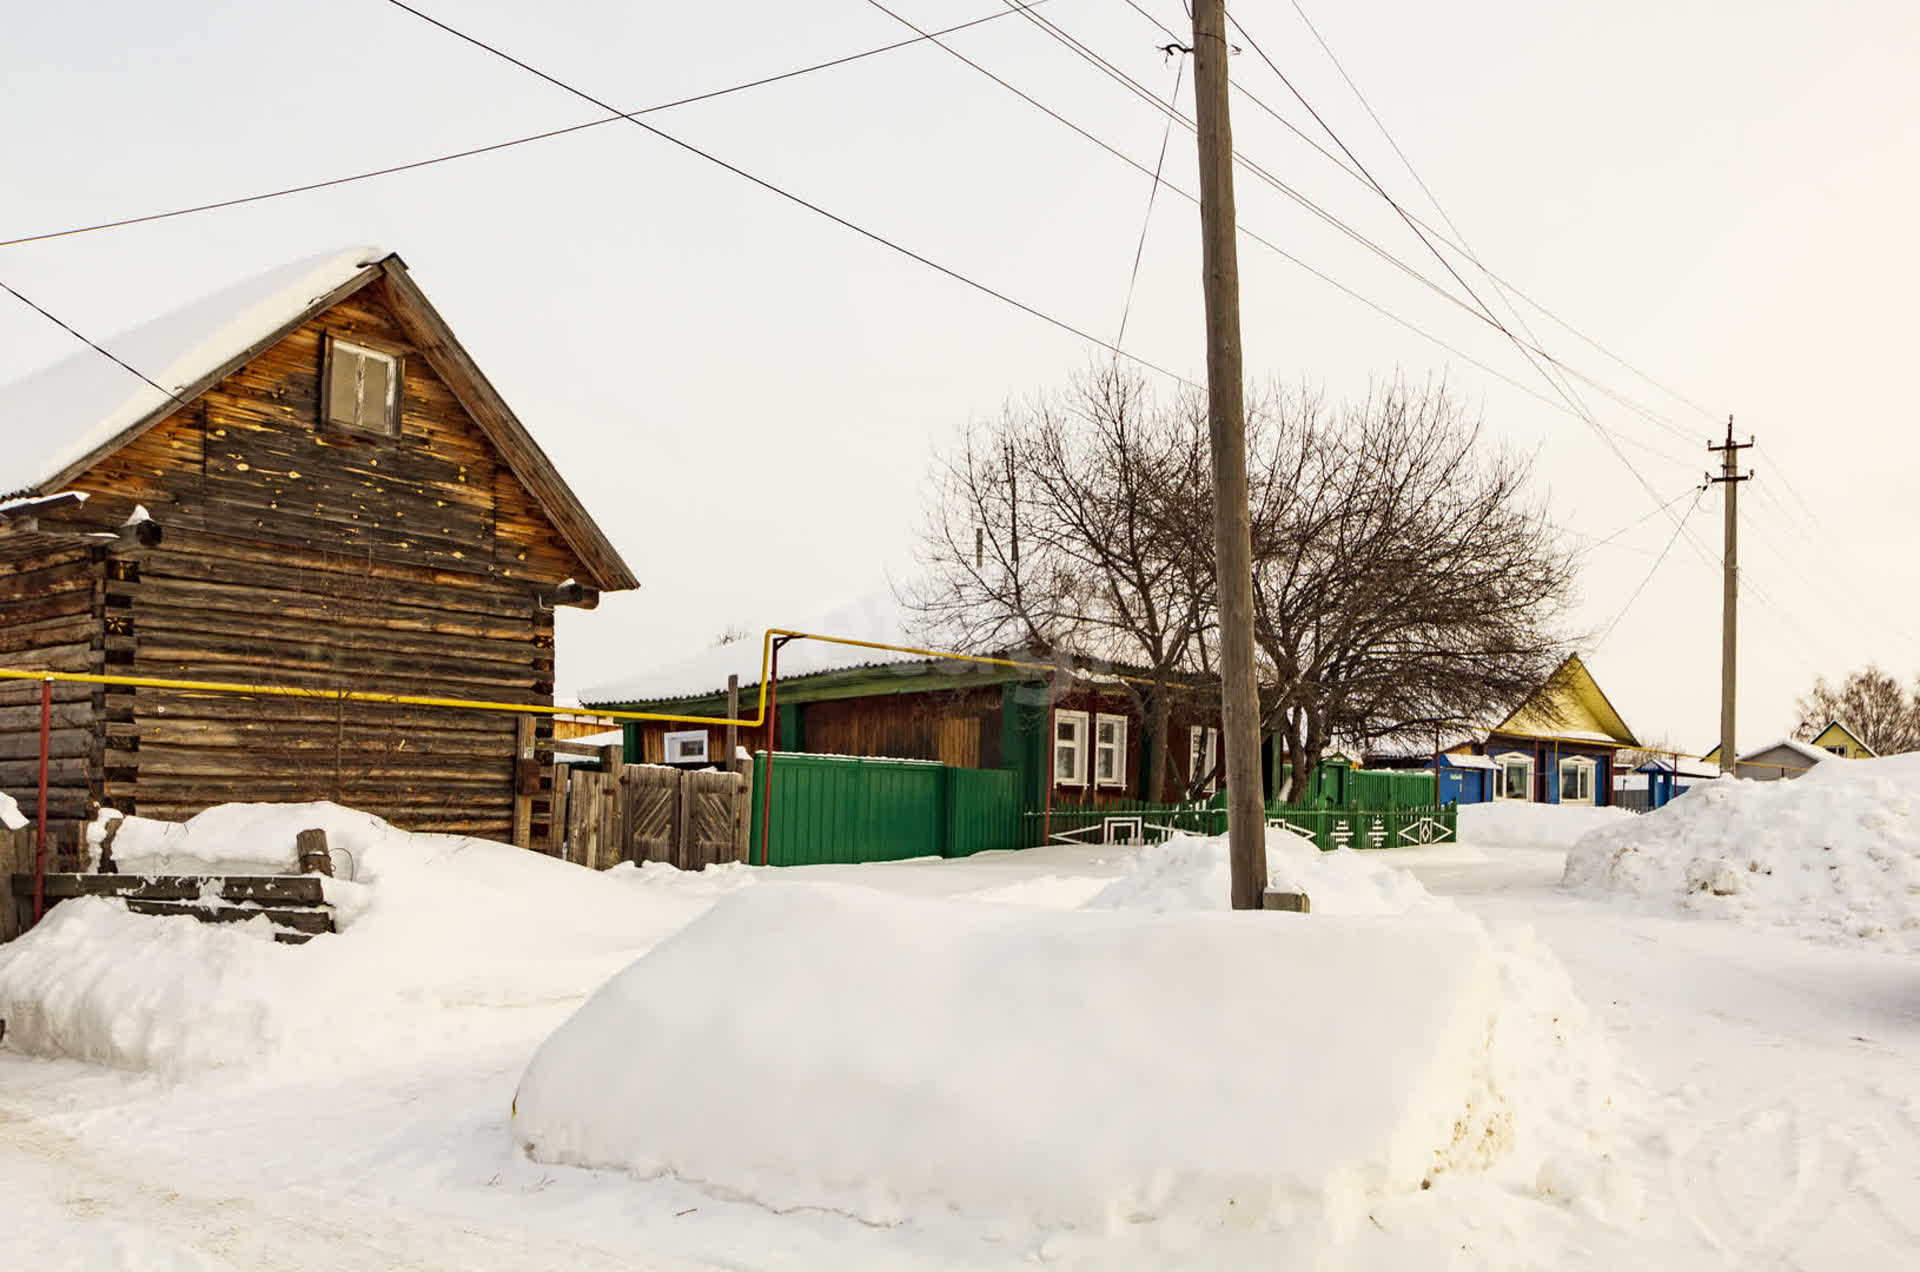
(647, 812)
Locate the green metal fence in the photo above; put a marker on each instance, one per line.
(1136, 823)
(836, 810)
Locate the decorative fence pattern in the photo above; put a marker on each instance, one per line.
(1327, 828)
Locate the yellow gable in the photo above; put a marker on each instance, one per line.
(1570, 705)
(1839, 739)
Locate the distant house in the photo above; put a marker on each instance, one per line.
(1557, 747)
(318, 489)
(1838, 739)
(1789, 757)
(1075, 729)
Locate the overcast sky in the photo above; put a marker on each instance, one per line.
(748, 396)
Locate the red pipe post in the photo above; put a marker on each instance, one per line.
(40, 828)
(773, 742)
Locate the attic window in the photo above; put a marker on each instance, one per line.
(360, 389)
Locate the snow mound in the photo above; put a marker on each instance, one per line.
(1834, 853)
(886, 1056)
(445, 943)
(1516, 824)
(256, 839)
(1552, 1078)
(1190, 873)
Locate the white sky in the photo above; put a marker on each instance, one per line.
(748, 396)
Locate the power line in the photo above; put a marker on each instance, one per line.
(1655, 569)
(1458, 243)
(509, 144)
(791, 197)
(1572, 404)
(103, 352)
(1146, 221)
(1636, 523)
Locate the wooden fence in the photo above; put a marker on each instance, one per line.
(646, 812)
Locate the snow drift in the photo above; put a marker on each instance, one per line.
(841, 1048)
(446, 943)
(1835, 853)
(1151, 1056)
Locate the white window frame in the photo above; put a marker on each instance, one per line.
(1501, 764)
(1203, 756)
(1117, 748)
(1076, 773)
(676, 747)
(388, 425)
(1586, 769)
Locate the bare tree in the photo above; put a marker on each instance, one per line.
(1404, 580)
(1077, 524)
(1875, 706)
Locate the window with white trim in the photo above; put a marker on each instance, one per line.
(360, 388)
(1516, 778)
(686, 746)
(1070, 748)
(1109, 750)
(1203, 757)
(1838, 750)
(1576, 780)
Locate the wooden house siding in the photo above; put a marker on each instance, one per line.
(295, 553)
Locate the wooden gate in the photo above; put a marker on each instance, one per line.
(646, 812)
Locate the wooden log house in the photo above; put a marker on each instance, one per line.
(329, 494)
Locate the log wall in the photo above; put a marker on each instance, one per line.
(298, 554)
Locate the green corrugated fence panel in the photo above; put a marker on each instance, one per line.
(983, 811)
(832, 810)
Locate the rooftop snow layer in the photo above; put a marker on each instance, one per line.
(59, 415)
(876, 617)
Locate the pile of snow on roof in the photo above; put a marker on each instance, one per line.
(1834, 853)
(59, 415)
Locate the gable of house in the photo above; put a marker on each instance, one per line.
(232, 418)
(1569, 706)
(1838, 739)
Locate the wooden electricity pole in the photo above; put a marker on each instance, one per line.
(1227, 428)
(1729, 479)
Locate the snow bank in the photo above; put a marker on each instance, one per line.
(1836, 852)
(1516, 824)
(447, 943)
(1551, 1076)
(236, 839)
(835, 1047)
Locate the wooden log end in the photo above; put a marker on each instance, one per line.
(314, 857)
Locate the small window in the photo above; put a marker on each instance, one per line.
(1203, 758)
(1110, 750)
(1070, 748)
(688, 747)
(1576, 781)
(1838, 750)
(1516, 778)
(360, 389)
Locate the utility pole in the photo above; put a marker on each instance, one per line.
(1227, 429)
(1729, 478)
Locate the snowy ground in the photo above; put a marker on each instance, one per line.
(1765, 1107)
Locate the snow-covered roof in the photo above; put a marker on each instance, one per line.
(1795, 745)
(1467, 761)
(60, 416)
(876, 617)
